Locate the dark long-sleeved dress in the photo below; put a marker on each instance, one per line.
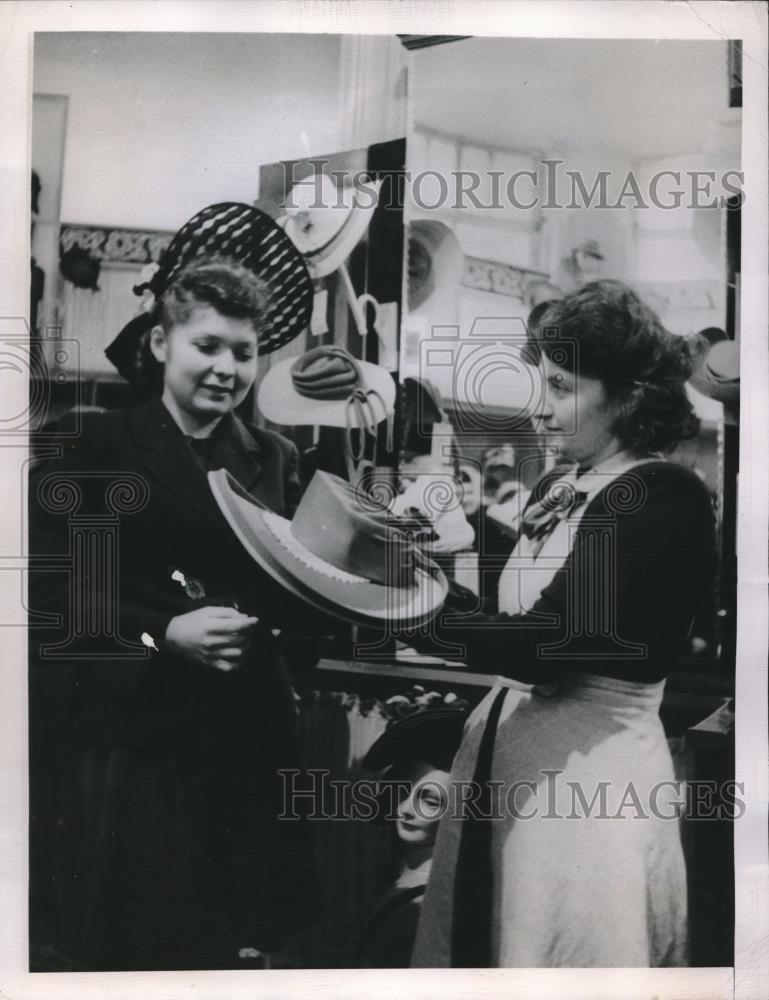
(156, 779)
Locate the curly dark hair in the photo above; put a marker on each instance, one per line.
(225, 285)
(604, 331)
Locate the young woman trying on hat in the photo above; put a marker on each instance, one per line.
(168, 851)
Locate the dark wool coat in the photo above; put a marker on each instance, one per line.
(156, 778)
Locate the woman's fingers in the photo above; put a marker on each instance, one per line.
(230, 653)
(228, 625)
(227, 659)
(239, 637)
(224, 665)
(227, 613)
(236, 635)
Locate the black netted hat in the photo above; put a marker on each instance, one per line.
(247, 236)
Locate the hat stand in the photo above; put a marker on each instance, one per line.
(357, 465)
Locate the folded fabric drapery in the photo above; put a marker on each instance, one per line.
(335, 731)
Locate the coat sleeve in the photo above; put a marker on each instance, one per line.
(622, 603)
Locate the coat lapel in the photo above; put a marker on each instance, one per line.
(171, 462)
(238, 452)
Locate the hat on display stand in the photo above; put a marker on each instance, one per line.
(431, 733)
(341, 553)
(326, 223)
(716, 372)
(328, 387)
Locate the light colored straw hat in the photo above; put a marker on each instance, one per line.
(341, 553)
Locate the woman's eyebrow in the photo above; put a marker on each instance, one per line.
(216, 338)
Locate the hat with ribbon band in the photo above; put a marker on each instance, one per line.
(247, 236)
(321, 387)
(328, 387)
(341, 553)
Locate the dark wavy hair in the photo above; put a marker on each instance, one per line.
(604, 331)
(225, 285)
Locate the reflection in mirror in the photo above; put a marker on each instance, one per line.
(523, 188)
(572, 197)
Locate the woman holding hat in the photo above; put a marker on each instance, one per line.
(571, 855)
(180, 714)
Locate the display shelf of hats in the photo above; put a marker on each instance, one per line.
(385, 678)
(333, 390)
(339, 212)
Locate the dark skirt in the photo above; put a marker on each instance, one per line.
(177, 861)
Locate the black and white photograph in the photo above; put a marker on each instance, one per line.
(387, 551)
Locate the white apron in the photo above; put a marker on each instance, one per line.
(586, 858)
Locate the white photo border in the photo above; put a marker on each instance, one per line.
(633, 19)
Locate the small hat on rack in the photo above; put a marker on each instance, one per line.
(326, 222)
(321, 389)
(716, 371)
(247, 236)
(340, 554)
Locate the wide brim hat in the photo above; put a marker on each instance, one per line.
(301, 391)
(240, 233)
(325, 222)
(338, 554)
(432, 735)
(435, 260)
(716, 372)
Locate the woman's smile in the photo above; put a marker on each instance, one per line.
(210, 364)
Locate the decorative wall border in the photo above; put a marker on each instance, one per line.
(125, 246)
(502, 279)
(691, 295)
